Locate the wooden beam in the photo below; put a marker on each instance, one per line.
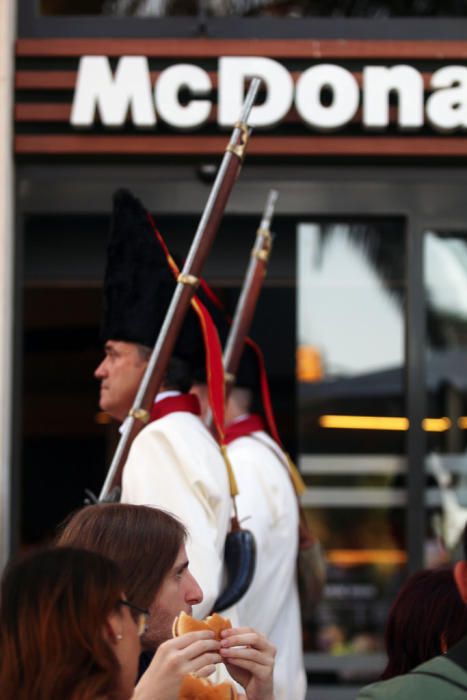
(275, 48)
(46, 112)
(265, 146)
(45, 80)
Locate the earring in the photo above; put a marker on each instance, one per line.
(119, 636)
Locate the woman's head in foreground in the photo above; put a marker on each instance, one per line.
(427, 618)
(64, 630)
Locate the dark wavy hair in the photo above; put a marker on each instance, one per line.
(54, 604)
(427, 617)
(143, 541)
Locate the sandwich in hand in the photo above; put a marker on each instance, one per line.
(185, 623)
(194, 688)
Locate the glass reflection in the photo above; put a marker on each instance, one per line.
(350, 350)
(334, 8)
(445, 273)
(253, 8)
(350, 299)
(121, 8)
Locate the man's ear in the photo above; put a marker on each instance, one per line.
(460, 577)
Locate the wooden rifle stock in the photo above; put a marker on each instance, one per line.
(185, 289)
(249, 295)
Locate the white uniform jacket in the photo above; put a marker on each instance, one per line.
(176, 465)
(271, 605)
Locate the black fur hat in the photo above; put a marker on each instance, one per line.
(138, 283)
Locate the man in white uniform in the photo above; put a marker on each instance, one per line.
(268, 505)
(174, 463)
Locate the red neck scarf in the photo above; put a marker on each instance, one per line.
(186, 403)
(245, 426)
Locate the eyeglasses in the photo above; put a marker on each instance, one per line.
(140, 615)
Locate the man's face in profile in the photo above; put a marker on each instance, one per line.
(179, 591)
(120, 374)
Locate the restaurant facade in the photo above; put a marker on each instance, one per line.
(360, 126)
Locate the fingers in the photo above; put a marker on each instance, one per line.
(196, 664)
(238, 630)
(182, 657)
(190, 645)
(245, 649)
(240, 656)
(196, 649)
(205, 672)
(186, 639)
(247, 637)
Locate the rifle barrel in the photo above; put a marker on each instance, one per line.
(251, 288)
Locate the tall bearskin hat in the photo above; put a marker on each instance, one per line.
(139, 285)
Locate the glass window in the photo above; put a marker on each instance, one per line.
(255, 8)
(351, 338)
(352, 423)
(334, 8)
(122, 8)
(445, 273)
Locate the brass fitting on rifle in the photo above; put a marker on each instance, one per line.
(229, 378)
(140, 414)
(239, 149)
(266, 245)
(262, 255)
(190, 280)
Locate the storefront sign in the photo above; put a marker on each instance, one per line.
(325, 96)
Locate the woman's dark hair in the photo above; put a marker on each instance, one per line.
(144, 542)
(54, 605)
(427, 617)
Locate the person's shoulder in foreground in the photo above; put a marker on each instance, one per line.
(441, 677)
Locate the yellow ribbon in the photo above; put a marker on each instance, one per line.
(232, 481)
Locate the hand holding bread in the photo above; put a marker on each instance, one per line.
(194, 653)
(249, 658)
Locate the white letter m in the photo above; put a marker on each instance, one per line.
(97, 88)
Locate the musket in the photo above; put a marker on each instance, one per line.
(238, 547)
(249, 295)
(251, 287)
(187, 282)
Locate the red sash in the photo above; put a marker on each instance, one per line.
(187, 403)
(245, 426)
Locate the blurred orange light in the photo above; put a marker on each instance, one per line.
(364, 422)
(436, 425)
(309, 366)
(431, 425)
(355, 557)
